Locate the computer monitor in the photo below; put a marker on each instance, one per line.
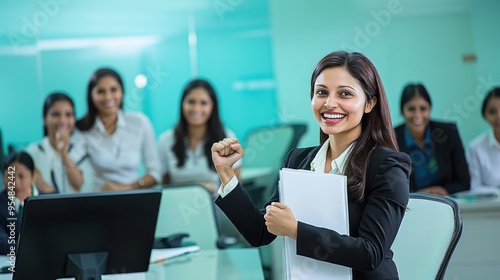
(86, 235)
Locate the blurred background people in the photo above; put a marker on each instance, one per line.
(185, 153)
(484, 150)
(118, 143)
(57, 156)
(438, 158)
(18, 179)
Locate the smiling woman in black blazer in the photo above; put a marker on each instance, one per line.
(350, 106)
(438, 158)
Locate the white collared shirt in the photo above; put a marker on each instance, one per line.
(338, 164)
(317, 165)
(484, 153)
(48, 161)
(195, 167)
(118, 157)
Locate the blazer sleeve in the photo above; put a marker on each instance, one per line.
(460, 177)
(245, 216)
(387, 194)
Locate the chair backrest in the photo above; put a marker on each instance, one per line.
(428, 235)
(188, 209)
(266, 147)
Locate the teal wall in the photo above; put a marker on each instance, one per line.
(166, 65)
(20, 99)
(407, 42)
(259, 55)
(232, 50)
(486, 38)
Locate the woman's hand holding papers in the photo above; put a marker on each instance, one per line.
(225, 153)
(280, 220)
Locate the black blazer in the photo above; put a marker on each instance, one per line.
(450, 155)
(4, 230)
(373, 223)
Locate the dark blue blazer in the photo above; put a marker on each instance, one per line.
(450, 155)
(373, 223)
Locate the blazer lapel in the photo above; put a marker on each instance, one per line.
(303, 162)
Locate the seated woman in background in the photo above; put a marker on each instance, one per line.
(185, 152)
(56, 156)
(436, 150)
(485, 149)
(117, 142)
(18, 179)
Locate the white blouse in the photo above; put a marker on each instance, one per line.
(338, 164)
(195, 167)
(48, 161)
(484, 152)
(118, 157)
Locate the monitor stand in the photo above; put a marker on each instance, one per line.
(87, 266)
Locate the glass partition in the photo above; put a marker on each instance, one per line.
(156, 45)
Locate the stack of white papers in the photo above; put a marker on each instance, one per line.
(161, 255)
(318, 199)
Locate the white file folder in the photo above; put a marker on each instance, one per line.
(318, 199)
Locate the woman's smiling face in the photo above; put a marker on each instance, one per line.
(339, 102)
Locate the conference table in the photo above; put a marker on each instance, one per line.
(228, 264)
(477, 253)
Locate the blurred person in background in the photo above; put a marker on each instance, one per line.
(185, 150)
(19, 177)
(438, 158)
(58, 156)
(117, 142)
(484, 150)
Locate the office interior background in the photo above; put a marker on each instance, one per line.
(259, 54)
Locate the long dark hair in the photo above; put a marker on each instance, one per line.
(88, 120)
(215, 129)
(376, 125)
(50, 100)
(494, 92)
(21, 157)
(412, 90)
